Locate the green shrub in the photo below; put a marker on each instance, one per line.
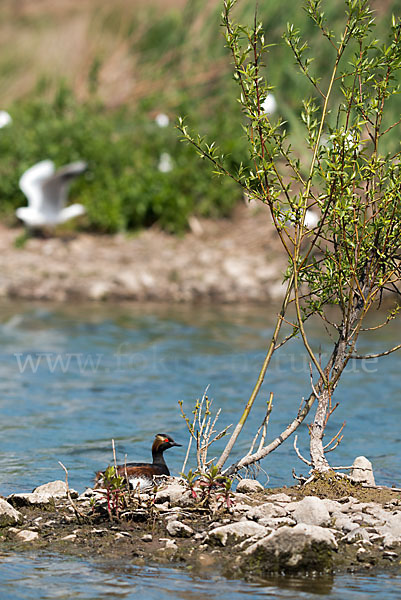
(185, 69)
(123, 188)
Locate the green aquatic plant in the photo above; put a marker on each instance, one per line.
(209, 485)
(115, 490)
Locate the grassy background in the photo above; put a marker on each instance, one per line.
(84, 79)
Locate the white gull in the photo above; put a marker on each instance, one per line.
(5, 119)
(47, 192)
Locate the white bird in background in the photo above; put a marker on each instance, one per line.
(310, 222)
(47, 193)
(162, 120)
(5, 118)
(269, 106)
(165, 163)
(311, 219)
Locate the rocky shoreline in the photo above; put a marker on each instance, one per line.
(328, 525)
(228, 260)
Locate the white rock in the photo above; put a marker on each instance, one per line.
(178, 529)
(276, 522)
(312, 511)
(54, 489)
(379, 513)
(249, 485)
(71, 538)
(235, 531)
(266, 511)
(366, 519)
(343, 522)
(186, 499)
(241, 508)
(42, 495)
(173, 514)
(29, 499)
(128, 280)
(248, 541)
(289, 548)
(391, 530)
(331, 505)
(99, 290)
(8, 514)
(280, 498)
(362, 471)
(27, 536)
(171, 493)
(241, 497)
(359, 533)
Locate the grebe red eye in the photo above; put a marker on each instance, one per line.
(166, 440)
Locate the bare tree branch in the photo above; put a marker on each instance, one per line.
(378, 355)
(307, 462)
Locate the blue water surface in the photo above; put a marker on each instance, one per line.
(73, 378)
(48, 577)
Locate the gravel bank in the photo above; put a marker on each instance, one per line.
(328, 525)
(236, 260)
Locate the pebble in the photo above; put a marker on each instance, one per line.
(69, 538)
(249, 486)
(26, 535)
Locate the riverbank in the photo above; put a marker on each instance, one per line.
(329, 525)
(230, 260)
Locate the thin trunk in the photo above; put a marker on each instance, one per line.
(318, 458)
(335, 367)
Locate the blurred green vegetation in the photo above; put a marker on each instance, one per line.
(182, 68)
(123, 188)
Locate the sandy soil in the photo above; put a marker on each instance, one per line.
(232, 260)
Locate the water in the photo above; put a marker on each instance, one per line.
(47, 577)
(72, 379)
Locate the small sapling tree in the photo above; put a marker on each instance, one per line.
(348, 175)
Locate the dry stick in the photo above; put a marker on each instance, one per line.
(209, 442)
(198, 451)
(378, 355)
(338, 442)
(184, 464)
(200, 435)
(262, 427)
(335, 439)
(126, 477)
(78, 514)
(206, 433)
(266, 421)
(191, 430)
(114, 455)
(307, 462)
(241, 422)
